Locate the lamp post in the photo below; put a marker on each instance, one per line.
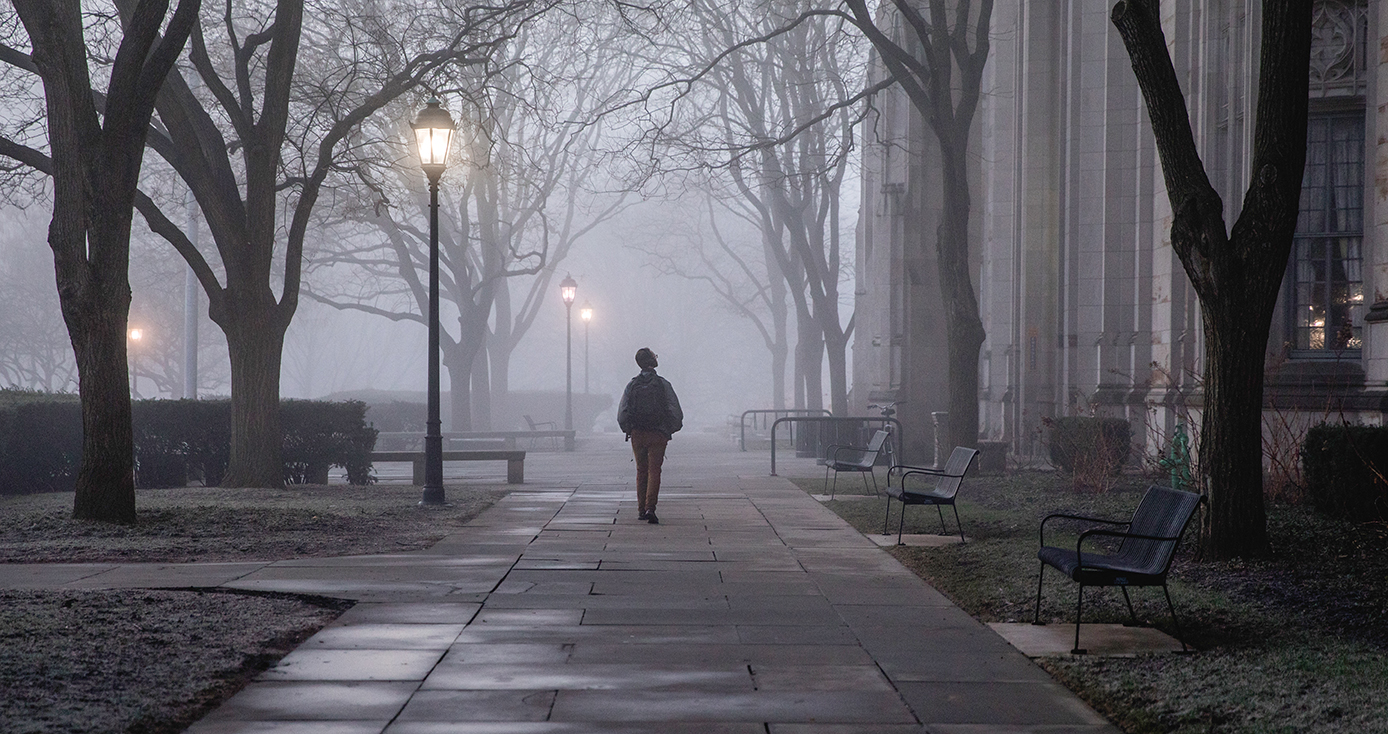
(585, 313)
(568, 288)
(433, 131)
(135, 336)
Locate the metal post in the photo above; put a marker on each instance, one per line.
(433, 436)
(585, 357)
(568, 367)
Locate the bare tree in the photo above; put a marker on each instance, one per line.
(1236, 273)
(936, 51)
(771, 111)
(519, 209)
(96, 141)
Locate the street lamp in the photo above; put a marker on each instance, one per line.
(433, 130)
(568, 288)
(585, 313)
(135, 336)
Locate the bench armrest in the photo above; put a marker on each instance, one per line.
(908, 469)
(1085, 518)
(1079, 551)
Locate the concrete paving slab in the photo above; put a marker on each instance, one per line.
(48, 575)
(628, 677)
(384, 636)
(520, 652)
(315, 701)
(701, 706)
(996, 703)
(476, 706)
(441, 612)
(770, 677)
(287, 727)
(306, 664)
(1103, 640)
(569, 727)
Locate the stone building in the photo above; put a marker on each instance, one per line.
(1086, 305)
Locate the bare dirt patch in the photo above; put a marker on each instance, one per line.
(153, 661)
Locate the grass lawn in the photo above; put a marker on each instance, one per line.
(1297, 642)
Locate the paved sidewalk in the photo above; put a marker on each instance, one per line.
(750, 608)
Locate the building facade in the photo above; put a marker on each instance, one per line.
(1085, 303)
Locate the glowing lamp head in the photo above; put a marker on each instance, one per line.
(137, 334)
(568, 289)
(433, 131)
(586, 312)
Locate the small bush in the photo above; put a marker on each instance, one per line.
(319, 435)
(1090, 449)
(1346, 470)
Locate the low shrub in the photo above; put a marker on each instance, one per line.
(175, 441)
(1090, 449)
(1346, 471)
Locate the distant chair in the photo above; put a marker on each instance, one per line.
(543, 426)
(860, 459)
(946, 489)
(1143, 557)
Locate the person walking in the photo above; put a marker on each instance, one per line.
(649, 414)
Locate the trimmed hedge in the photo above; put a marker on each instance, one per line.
(1345, 470)
(40, 441)
(1107, 440)
(175, 441)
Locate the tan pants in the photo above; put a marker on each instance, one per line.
(649, 448)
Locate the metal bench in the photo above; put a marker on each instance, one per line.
(855, 458)
(1143, 557)
(947, 483)
(515, 461)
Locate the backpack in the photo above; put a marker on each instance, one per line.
(647, 405)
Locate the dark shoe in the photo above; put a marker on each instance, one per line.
(651, 518)
(643, 515)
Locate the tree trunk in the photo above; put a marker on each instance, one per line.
(1231, 432)
(106, 477)
(481, 393)
(460, 391)
(255, 345)
(836, 343)
(963, 327)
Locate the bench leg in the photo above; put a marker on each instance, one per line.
(1040, 577)
(515, 471)
(417, 472)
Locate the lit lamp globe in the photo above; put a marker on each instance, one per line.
(585, 312)
(568, 289)
(433, 132)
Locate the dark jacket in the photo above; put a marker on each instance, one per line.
(674, 417)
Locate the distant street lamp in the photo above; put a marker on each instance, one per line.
(135, 336)
(568, 288)
(585, 313)
(433, 131)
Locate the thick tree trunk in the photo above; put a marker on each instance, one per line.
(255, 346)
(963, 327)
(106, 477)
(837, 346)
(459, 393)
(481, 394)
(1231, 431)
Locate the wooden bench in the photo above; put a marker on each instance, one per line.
(398, 440)
(515, 461)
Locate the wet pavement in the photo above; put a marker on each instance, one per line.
(749, 608)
